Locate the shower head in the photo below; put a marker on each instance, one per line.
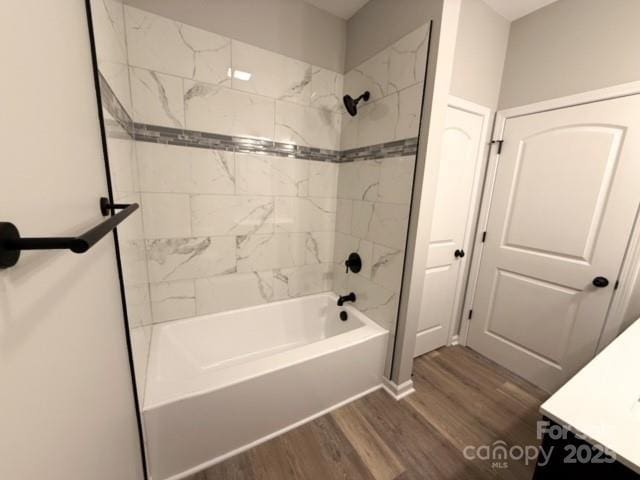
(352, 105)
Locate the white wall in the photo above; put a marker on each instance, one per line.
(289, 27)
(66, 407)
(379, 23)
(481, 47)
(481, 43)
(571, 46)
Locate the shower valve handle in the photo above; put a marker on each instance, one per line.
(353, 263)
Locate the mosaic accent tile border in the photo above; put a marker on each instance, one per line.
(397, 148)
(191, 138)
(124, 127)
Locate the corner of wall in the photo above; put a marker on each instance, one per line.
(438, 81)
(481, 48)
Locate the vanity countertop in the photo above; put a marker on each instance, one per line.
(602, 401)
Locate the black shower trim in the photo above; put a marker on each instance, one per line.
(101, 86)
(124, 127)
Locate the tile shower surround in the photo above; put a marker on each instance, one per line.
(174, 281)
(123, 126)
(378, 283)
(230, 228)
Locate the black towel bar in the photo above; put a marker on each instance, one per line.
(11, 243)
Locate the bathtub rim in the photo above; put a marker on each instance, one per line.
(369, 330)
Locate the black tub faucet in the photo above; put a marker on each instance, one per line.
(346, 298)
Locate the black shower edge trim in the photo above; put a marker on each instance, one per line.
(105, 156)
(405, 267)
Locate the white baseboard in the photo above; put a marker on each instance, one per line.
(455, 340)
(266, 438)
(398, 391)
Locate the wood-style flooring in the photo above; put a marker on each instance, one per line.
(462, 399)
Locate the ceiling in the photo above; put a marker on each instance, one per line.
(509, 9)
(340, 8)
(513, 9)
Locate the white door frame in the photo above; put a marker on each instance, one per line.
(474, 207)
(630, 269)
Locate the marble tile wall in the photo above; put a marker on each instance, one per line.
(372, 219)
(225, 227)
(226, 230)
(184, 77)
(395, 78)
(374, 194)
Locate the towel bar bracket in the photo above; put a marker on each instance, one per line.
(8, 233)
(106, 207)
(11, 243)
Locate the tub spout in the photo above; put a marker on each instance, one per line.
(346, 298)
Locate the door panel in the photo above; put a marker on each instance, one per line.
(540, 305)
(439, 287)
(460, 143)
(67, 406)
(571, 170)
(461, 157)
(563, 206)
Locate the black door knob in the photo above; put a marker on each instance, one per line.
(458, 253)
(600, 282)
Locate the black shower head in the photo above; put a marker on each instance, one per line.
(352, 105)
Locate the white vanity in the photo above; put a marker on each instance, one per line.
(600, 408)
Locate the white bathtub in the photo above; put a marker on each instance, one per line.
(222, 383)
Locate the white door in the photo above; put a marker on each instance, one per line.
(564, 200)
(66, 398)
(458, 182)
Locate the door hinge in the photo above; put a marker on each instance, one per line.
(499, 142)
(484, 236)
(616, 285)
(470, 314)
